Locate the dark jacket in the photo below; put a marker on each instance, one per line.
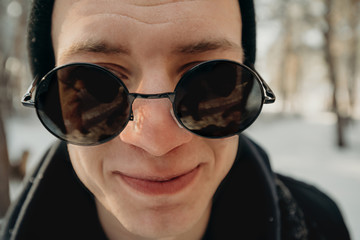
(252, 202)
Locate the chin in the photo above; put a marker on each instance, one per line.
(159, 223)
(153, 228)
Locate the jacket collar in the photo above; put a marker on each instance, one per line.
(246, 203)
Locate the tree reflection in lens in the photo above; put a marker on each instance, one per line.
(93, 104)
(221, 100)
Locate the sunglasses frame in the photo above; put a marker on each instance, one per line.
(28, 99)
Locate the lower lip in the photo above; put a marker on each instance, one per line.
(160, 187)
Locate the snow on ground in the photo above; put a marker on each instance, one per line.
(302, 147)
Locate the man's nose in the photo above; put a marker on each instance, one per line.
(154, 128)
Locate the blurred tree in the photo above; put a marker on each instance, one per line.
(289, 76)
(4, 171)
(4, 159)
(13, 16)
(332, 69)
(316, 49)
(353, 59)
(341, 54)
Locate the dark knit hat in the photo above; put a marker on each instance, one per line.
(40, 47)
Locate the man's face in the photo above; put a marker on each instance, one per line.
(155, 179)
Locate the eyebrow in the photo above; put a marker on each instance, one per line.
(206, 45)
(94, 46)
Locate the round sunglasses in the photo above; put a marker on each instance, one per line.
(86, 104)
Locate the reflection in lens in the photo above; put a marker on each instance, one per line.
(218, 99)
(83, 104)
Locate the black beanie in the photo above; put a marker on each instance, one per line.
(41, 52)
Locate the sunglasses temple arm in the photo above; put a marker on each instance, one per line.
(269, 94)
(27, 100)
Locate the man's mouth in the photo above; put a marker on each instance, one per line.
(154, 185)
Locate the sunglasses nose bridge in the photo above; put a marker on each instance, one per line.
(169, 95)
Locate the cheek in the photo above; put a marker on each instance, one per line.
(224, 155)
(88, 165)
(225, 147)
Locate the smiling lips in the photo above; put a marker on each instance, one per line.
(157, 186)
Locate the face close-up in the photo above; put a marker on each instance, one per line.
(155, 179)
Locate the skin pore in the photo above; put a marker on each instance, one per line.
(155, 180)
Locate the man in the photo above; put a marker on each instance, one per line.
(145, 161)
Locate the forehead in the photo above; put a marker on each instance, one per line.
(147, 11)
(134, 21)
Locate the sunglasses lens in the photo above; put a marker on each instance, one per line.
(82, 104)
(218, 99)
